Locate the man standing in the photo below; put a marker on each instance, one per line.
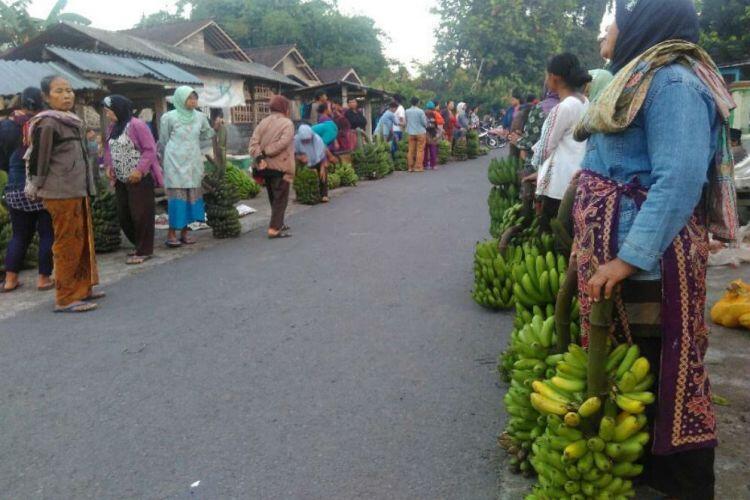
(416, 129)
(515, 103)
(320, 98)
(357, 122)
(384, 128)
(398, 129)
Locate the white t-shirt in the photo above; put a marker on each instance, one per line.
(557, 155)
(400, 118)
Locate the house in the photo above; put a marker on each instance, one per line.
(239, 86)
(328, 75)
(287, 60)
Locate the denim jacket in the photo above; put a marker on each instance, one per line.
(668, 148)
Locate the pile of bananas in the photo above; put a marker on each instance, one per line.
(493, 287)
(472, 144)
(400, 161)
(459, 150)
(246, 187)
(538, 275)
(334, 180)
(505, 171)
(505, 212)
(346, 172)
(585, 452)
(107, 236)
(533, 345)
(373, 161)
(307, 186)
(220, 197)
(444, 152)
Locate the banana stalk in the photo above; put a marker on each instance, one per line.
(564, 305)
(601, 324)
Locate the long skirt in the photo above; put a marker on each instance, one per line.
(73, 251)
(185, 206)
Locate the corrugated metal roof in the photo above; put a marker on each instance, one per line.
(17, 75)
(122, 42)
(128, 67)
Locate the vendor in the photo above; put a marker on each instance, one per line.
(641, 230)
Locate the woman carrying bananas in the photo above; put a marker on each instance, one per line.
(653, 186)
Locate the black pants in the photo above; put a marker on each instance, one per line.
(688, 475)
(24, 225)
(548, 208)
(278, 195)
(323, 182)
(136, 208)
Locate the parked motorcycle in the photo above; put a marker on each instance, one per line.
(490, 138)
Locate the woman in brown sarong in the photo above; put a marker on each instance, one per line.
(60, 175)
(654, 184)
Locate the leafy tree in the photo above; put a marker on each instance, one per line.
(158, 18)
(17, 26)
(325, 36)
(726, 29)
(57, 15)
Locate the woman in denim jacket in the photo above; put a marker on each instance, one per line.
(642, 229)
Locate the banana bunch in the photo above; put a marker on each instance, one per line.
(538, 276)
(532, 346)
(493, 287)
(504, 171)
(585, 453)
(504, 214)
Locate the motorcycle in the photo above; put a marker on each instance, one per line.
(491, 138)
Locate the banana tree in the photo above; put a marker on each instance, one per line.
(56, 15)
(16, 26)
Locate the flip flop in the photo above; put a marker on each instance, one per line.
(46, 287)
(77, 307)
(187, 241)
(8, 290)
(173, 243)
(285, 228)
(135, 260)
(278, 235)
(96, 295)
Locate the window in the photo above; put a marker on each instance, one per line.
(242, 114)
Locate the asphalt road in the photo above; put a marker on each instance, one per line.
(346, 362)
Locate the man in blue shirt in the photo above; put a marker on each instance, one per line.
(386, 123)
(416, 129)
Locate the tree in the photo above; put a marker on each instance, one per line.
(56, 15)
(17, 27)
(492, 46)
(325, 36)
(726, 29)
(158, 18)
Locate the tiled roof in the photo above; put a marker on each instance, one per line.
(269, 56)
(17, 75)
(109, 64)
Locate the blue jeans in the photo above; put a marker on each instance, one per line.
(24, 225)
(397, 136)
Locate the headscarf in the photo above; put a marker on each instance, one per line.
(461, 108)
(310, 144)
(645, 23)
(180, 97)
(600, 79)
(279, 104)
(430, 105)
(551, 99)
(122, 107)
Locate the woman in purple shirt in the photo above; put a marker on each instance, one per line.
(132, 164)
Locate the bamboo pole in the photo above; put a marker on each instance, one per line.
(564, 306)
(601, 325)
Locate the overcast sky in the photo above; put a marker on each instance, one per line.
(408, 23)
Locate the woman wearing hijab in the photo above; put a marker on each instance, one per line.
(310, 149)
(131, 162)
(60, 174)
(557, 156)
(26, 216)
(272, 147)
(462, 122)
(657, 180)
(180, 134)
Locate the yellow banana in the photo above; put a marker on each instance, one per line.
(576, 450)
(628, 361)
(607, 429)
(548, 392)
(640, 369)
(572, 419)
(627, 383)
(590, 407)
(546, 405)
(615, 357)
(629, 405)
(646, 383)
(567, 384)
(627, 428)
(644, 397)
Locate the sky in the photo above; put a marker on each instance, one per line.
(407, 40)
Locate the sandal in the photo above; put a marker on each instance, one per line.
(173, 243)
(76, 307)
(49, 286)
(324, 199)
(187, 241)
(278, 235)
(95, 295)
(285, 228)
(8, 290)
(135, 260)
